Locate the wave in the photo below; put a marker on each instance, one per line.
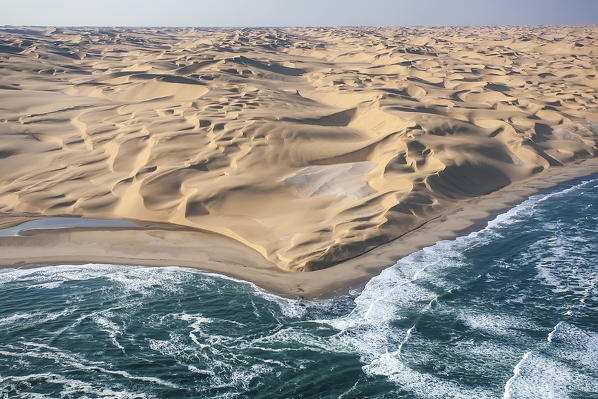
(113, 330)
(567, 362)
(21, 320)
(69, 387)
(59, 356)
(528, 206)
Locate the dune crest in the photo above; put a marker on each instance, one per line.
(311, 146)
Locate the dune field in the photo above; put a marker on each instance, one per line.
(310, 146)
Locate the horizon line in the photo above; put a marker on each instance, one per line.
(294, 26)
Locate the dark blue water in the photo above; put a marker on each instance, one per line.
(508, 312)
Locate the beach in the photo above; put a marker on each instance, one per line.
(305, 160)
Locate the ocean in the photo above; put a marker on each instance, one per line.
(509, 311)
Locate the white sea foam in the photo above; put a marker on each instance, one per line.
(423, 384)
(294, 337)
(537, 376)
(195, 325)
(554, 331)
(573, 344)
(568, 359)
(69, 387)
(102, 319)
(527, 207)
(291, 308)
(62, 357)
(516, 371)
(22, 320)
(174, 347)
(140, 279)
(494, 324)
(371, 330)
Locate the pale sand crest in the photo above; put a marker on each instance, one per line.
(308, 146)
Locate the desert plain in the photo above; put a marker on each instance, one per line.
(302, 159)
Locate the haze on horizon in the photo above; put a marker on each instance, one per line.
(251, 13)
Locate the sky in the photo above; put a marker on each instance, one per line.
(238, 13)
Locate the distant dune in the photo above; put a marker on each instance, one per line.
(310, 146)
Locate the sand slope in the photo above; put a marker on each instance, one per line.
(310, 146)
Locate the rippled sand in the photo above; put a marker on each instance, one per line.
(310, 146)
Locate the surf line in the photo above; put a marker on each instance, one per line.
(569, 315)
(508, 394)
(516, 371)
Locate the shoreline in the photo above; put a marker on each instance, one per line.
(311, 147)
(218, 254)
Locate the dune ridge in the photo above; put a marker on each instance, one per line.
(309, 145)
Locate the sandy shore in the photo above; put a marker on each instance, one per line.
(305, 160)
(215, 253)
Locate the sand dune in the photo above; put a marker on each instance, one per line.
(310, 146)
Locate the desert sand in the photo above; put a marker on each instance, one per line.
(285, 150)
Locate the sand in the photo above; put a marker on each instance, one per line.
(323, 151)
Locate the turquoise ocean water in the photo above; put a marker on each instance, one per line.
(510, 311)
